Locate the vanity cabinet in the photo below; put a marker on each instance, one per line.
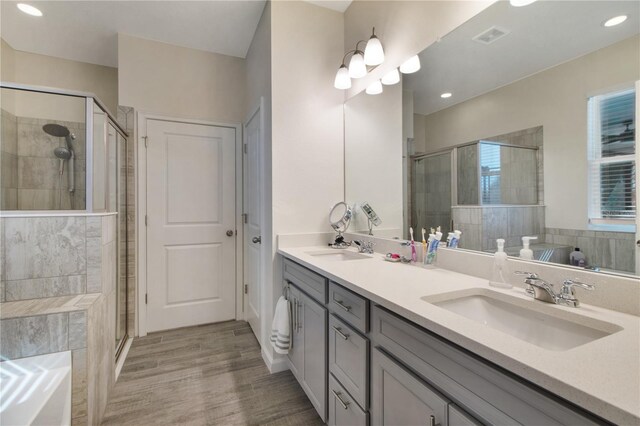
(360, 363)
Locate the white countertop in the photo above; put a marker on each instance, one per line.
(602, 376)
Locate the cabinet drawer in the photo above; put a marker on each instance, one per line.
(398, 397)
(308, 281)
(349, 306)
(488, 394)
(349, 360)
(343, 411)
(457, 417)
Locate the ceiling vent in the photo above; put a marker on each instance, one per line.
(491, 35)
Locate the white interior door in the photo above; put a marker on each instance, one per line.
(252, 227)
(191, 244)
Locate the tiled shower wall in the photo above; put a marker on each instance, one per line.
(30, 171)
(47, 264)
(481, 226)
(608, 250)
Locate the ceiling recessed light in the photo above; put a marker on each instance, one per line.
(617, 20)
(29, 10)
(445, 95)
(520, 3)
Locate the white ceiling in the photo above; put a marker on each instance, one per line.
(541, 36)
(87, 30)
(337, 5)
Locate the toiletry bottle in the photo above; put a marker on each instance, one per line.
(431, 250)
(456, 238)
(526, 253)
(450, 238)
(576, 256)
(499, 263)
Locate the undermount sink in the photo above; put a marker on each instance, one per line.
(558, 332)
(338, 255)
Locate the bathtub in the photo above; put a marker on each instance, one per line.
(36, 390)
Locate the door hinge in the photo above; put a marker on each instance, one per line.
(146, 141)
(146, 299)
(245, 148)
(245, 217)
(246, 289)
(146, 220)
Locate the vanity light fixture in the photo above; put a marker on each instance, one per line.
(446, 95)
(374, 88)
(29, 10)
(520, 3)
(392, 77)
(616, 20)
(411, 65)
(373, 53)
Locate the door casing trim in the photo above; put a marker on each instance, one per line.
(141, 205)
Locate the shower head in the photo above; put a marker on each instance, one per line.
(56, 130)
(62, 153)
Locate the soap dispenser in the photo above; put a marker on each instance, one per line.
(526, 253)
(500, 261)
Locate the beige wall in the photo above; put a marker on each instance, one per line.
(373, 158)
(557, 100)
(258, 83)
(404, 27)
(42, 70)
(180, 82)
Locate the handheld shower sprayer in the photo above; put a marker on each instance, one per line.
(64, 153)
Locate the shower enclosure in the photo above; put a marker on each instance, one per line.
(62, 152)
(468, 186)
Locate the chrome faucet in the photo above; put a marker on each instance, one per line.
(364, 246)
(539, 289)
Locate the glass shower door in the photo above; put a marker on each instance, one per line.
(431, 193)
(118, 195)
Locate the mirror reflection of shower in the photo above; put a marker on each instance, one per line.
(64, 154)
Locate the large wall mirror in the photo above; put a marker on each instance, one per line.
(537, 137)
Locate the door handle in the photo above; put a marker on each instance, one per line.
(229, 233)
(432, 421)
(257, 240)
(340, 333)
(345, 404)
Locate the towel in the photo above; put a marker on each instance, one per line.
(281, 327)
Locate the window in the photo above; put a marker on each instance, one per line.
(612, 164)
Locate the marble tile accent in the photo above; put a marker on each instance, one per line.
(79, 386)
(36, 335)
(77, 330)
(94, 264)
(45, 287)
(94, 226)
(44, 247)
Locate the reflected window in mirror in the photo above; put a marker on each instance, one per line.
(612, 160)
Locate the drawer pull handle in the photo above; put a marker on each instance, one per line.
(337, 330)
(432, 421)
(344, 404)
(340, 303)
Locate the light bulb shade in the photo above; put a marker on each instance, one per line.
(373, 53)
(342, 81)
(374, 88)
(411, 65)
(392, 77)
(357, 68)
(520, 3)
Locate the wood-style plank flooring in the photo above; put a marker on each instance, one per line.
(206, 375)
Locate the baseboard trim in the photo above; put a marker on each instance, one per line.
(274, 365)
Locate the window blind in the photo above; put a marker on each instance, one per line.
(612, 165)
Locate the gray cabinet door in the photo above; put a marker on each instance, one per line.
(349, 360)
(296, 353)
(313, 326)
(457, 417)
(400, 398)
